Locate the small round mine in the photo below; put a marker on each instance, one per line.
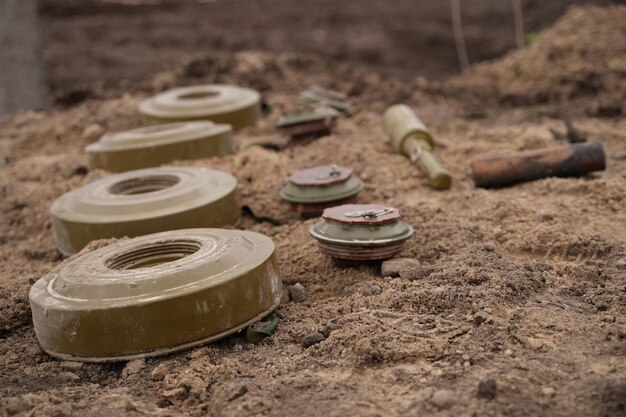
(361, 232)
(312, 190)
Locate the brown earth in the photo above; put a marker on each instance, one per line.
(525, 285)
(95, 48)
(566, 69)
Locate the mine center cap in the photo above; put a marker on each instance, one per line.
(362, 214)
(321, 176)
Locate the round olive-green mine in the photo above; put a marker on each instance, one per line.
(156, 294)
(236, 106)
(154, 146)
(144, 201)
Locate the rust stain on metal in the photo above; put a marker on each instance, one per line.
(562, 161)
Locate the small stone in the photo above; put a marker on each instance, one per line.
(312, 339)
(297, 293)
(508, 352)
(71, 366)
(421, 272)
(608, 319)
(363, 347)
(535, 343)
(545, 215)
(370, 289)
(240, 391)
(199, 353)
(175, 395)
(93, 132)
(443, 399)
(487, 388)
(489, 247)
(548, 392)
(68, 377)
(398, 267)
(133, 367)
(482, 317)
(158, 373)
(130, 406)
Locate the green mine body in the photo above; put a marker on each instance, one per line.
(312, 190)
(219, 103)
(361, 232)
(156, 294)
(411, 137)
(144, 201)
(156, 145)
(309, 116)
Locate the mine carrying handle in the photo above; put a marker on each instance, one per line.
(409, 136)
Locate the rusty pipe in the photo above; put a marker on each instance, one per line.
(561, 161)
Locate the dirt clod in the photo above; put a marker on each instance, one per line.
(370, 289)
(159, 372)
(487, 388)
(133, 367)
(92, 133)
(68, 377)
(444, 399)
(398, 267)
(312, 339)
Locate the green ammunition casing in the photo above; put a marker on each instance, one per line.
(410, 137)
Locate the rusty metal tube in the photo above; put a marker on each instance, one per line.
(561, 161)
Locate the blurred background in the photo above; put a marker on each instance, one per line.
(97, 48)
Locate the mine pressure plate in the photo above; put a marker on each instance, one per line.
(361, 232)
(155, 294)
(157, 145)
(144, 201)
(315, 188)
(236, 106)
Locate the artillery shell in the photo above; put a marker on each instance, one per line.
(155, 294)
(562, 161)
(154, 146)
(409, 136)
(236, 106)
(144, 201)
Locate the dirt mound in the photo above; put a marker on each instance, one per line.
(581, 59)
(522, 286)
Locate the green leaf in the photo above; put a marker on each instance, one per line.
(258, 331)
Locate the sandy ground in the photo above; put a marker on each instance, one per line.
(517, 306)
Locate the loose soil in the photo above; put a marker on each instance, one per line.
(520, 291)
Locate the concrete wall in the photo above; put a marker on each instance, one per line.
(22, 81)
